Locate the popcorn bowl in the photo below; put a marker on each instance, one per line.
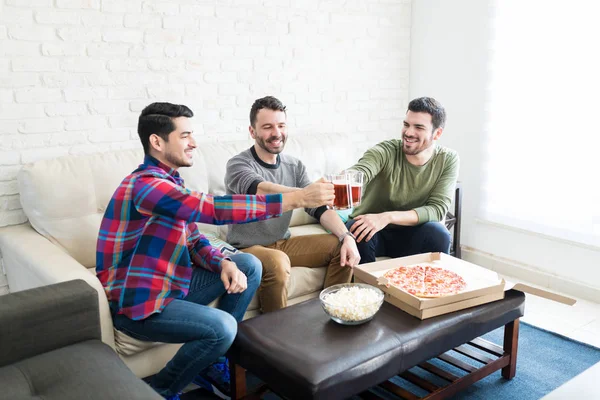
(351, 303)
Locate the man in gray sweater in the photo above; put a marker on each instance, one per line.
(262, 169)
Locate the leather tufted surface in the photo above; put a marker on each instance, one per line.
(302, 354)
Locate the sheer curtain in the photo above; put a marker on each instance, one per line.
(542, 153)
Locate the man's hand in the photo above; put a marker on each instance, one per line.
(349, 254)
(368, 225)
(318, 194)
(233, 279)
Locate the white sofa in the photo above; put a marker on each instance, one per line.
(65, 199)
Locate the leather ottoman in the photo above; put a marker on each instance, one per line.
(301, 354)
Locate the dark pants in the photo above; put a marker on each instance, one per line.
(401, 241)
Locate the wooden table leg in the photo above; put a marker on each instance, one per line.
(511, 344)
(238, 381)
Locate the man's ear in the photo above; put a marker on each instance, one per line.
(252, 133)
(437, 133)
(155, 142)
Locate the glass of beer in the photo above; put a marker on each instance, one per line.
(356, 179)
(341, 187)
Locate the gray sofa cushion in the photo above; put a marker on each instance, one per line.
(39, 320)
(87, 370)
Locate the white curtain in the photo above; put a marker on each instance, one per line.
(542, 154)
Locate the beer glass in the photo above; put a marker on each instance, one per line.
(341, 187)
(356, 179)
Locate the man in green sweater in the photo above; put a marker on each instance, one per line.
(409, 185)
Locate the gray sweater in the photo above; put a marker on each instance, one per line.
(244, 172)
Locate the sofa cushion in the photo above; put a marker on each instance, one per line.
(127, 345)
(86, 370)
(224, 247)
(307, 229)
(301, 217)
(70, 217)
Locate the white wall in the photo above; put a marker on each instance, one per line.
(74, 74)
(450, 50)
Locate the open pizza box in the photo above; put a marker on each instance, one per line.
(483, 285)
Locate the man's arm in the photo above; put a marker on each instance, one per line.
(271, 188)
(438, 203)
(333, 223)
(374, 160)
(404, 218)
(206, 256)
(201, 251)
(158, 196)
(241, 178)
(349, 254)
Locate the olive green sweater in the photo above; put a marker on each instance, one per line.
(394, 184)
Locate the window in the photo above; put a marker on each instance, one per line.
(542, 154)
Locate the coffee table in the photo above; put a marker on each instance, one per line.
(301, 354)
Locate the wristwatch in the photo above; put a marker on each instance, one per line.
(348, 233)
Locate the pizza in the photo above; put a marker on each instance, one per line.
(425, 280)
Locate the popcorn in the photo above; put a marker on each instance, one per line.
(352, 303)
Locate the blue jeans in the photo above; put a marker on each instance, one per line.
(206, 332)
(401, 241)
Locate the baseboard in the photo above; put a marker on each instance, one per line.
(530, 274)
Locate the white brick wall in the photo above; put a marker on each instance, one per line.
(74, 74)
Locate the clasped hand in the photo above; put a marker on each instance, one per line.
(233, 279)
(367, 225)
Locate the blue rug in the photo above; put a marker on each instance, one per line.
(545, 361)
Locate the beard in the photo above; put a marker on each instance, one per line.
(416, 147)
(179, 161)
(263, 144)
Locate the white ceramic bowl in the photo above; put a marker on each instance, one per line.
(349, 304)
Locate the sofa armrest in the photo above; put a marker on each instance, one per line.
(39, 320)
(31, 261)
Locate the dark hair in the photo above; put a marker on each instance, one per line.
(268, 102)
(432, 107)
(157, 118)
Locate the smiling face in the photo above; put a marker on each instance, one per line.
(177, 151)
(418, 134)
(269, 132)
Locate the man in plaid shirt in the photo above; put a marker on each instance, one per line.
(159, 273)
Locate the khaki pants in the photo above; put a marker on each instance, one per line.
(312, 251)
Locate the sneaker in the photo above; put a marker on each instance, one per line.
(215, 379)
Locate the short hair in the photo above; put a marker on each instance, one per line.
(268, 102)
(432, 107)
(157, 118)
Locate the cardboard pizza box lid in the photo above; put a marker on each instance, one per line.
(540, 292)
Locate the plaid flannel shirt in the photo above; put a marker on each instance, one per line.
(148, 243)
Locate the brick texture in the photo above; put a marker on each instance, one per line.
(73, 70)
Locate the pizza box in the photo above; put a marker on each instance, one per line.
(483, 285)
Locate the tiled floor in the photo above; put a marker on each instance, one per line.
(580, 322)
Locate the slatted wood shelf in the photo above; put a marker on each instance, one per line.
(491, 356)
